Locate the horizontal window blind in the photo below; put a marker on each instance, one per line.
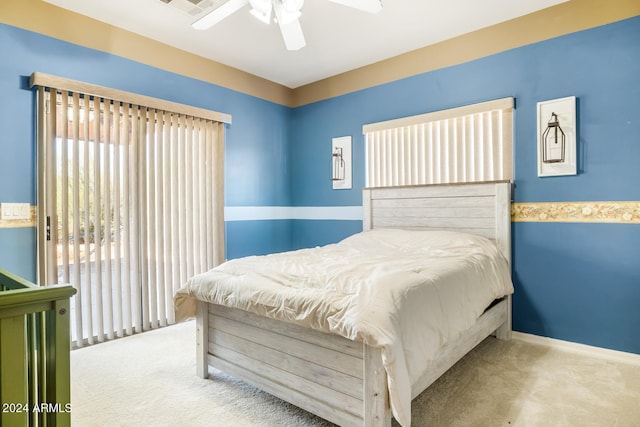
(466, 144)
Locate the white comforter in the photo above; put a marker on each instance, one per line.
(409, 292)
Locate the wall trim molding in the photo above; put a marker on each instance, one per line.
(581, 349)
(627, 212)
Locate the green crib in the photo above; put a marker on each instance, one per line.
(34, 353)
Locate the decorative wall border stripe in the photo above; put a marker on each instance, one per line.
(595, 212)
(589, 212)
(21, 223)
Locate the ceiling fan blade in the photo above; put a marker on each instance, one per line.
(218, 14)
(371, 6)
(292, 35)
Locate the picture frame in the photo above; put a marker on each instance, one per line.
(341, 166)
(557, 155)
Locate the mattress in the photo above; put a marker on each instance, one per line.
(408, 292)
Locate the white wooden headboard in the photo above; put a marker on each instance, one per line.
(482, 208)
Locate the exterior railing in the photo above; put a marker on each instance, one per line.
(34, 353)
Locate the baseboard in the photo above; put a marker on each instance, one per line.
(587, 350)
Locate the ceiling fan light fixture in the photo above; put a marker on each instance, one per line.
(287, 13)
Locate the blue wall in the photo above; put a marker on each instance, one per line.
(576, 282)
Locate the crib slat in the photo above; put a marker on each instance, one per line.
(58, 389)
(13, 371)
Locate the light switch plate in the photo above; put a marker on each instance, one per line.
(14, 211)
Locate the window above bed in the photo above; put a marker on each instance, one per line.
(472, 143)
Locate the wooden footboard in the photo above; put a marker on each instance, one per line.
(34, 353)
(325, 374)
(340, 380)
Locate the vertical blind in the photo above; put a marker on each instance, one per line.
(130, 202)
(465, 144)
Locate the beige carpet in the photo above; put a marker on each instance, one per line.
(149, 380)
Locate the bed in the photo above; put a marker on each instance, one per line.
(345, 374)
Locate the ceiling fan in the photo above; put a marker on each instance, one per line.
(286, 13)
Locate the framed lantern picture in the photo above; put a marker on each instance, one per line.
(341, 163)
(557, 137)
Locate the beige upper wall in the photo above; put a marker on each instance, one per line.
(569, 17)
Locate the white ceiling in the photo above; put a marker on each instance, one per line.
(338, 38)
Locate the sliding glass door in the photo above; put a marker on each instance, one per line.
(127, 203)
